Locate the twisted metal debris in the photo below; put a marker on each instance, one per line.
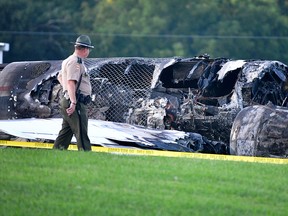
(197, 95)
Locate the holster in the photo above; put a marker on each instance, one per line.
(85, 99)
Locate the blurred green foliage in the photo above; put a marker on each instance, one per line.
(237, 29)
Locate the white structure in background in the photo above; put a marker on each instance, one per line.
(3, 47)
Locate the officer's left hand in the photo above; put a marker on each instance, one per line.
(70, 110)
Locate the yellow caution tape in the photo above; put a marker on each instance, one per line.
(130, 151)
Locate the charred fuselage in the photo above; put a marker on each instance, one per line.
(199, 94)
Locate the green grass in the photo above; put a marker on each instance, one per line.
(50, 182)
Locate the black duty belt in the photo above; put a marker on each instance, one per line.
(85, 99)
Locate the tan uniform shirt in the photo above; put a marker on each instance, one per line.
(72, 68)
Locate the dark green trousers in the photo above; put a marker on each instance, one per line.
(76, 124)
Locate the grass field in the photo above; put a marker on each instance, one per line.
(49, 182)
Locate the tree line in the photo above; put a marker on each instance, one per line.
(237, 29)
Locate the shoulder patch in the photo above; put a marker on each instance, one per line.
(78, 67)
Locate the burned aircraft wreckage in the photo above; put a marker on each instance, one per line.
(199, 96)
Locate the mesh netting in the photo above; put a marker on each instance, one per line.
(117, 86)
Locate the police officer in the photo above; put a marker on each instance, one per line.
(76, 85)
